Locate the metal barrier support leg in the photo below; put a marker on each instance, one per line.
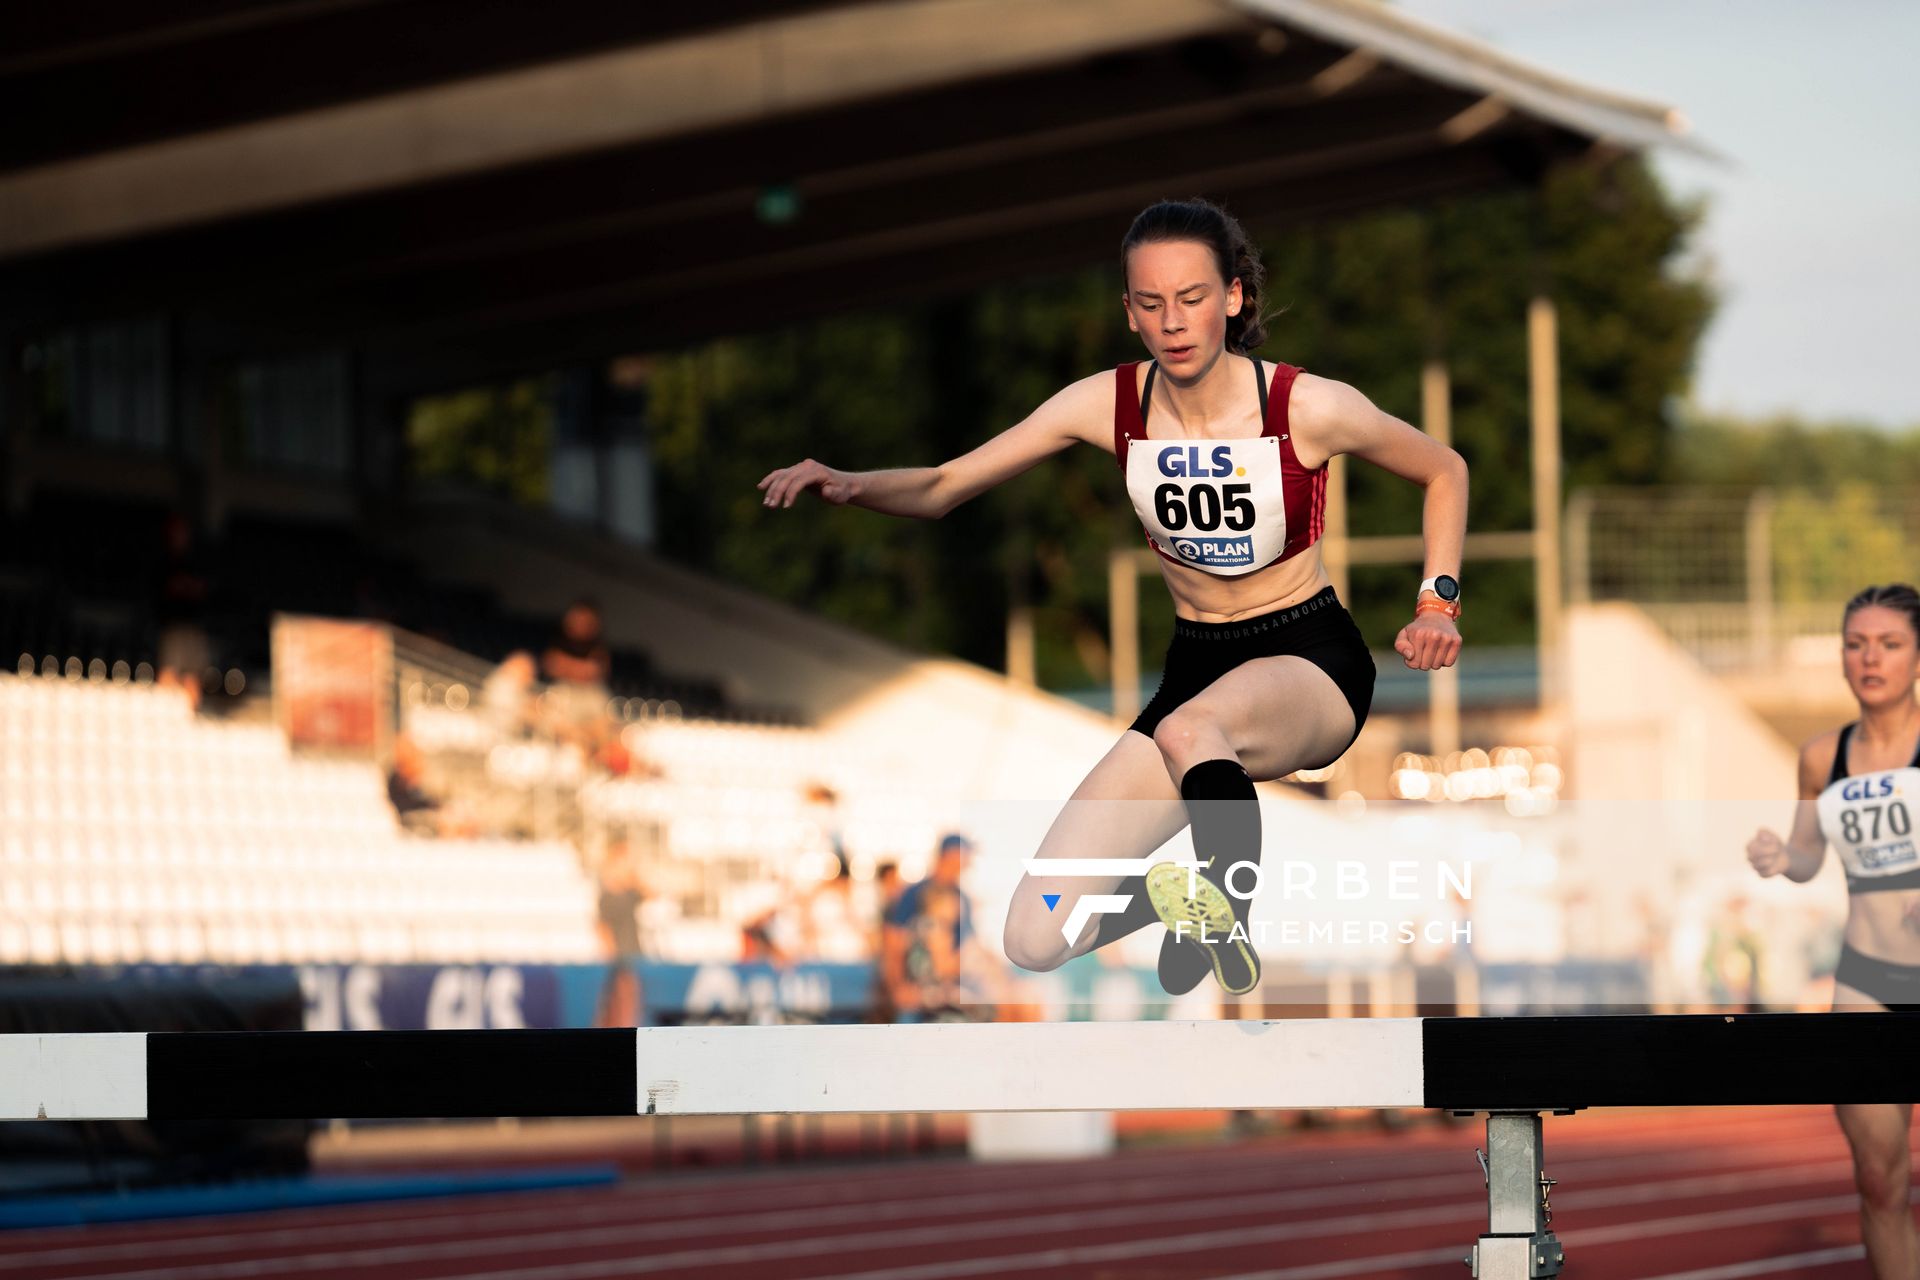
(1519, 1243)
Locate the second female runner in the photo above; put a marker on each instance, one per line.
(1860, 793)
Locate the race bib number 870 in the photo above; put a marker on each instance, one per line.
(1869, 819)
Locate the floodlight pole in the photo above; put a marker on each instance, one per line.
(1543, 385)
(1443, 686)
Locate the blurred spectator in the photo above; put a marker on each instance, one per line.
(1731, 965)
(759, 943)
(832, 920)
(831, 928)
(507, 695)
(419, 810)
(179, 611)
(927, 939)
(406, 790)
(1655, 951)
(766, 933)
(887, 877)
(613, 754)
(824, 803)
(578, 654)
(512, 703)
(618, 927)
(575, 706)
(932, 958)
(888, 887)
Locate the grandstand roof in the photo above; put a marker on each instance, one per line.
(465, 188)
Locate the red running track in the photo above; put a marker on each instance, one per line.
(1709, 1194)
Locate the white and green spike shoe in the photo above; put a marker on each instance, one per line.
(1206, 912)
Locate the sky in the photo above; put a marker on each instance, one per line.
(1813, 225)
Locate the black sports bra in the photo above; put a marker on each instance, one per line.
(1839, 769)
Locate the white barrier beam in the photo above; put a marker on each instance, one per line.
(1031, 1066)
(73, 1077)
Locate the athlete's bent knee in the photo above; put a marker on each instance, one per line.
(1040, 954)
(1177, 732)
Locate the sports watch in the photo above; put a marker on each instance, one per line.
(1445, 591)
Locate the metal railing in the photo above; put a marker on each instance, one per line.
(1744, 579)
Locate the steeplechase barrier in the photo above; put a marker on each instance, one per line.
(1513, 1070)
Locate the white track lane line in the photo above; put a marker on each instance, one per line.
(1448, 1254)
(941, 1203)
(1149, 1190)
(1606, 1235)
(1270, 1200)
(1188, 1244)
(1457, 1213)
(1077, 1221)
(619, 1208)
(669, 1194)
(707, 1188)
(1772, 1266)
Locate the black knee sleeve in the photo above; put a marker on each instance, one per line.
(1223, 830)
(1225, 815)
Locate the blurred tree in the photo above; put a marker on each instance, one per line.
(1826, 547)
(1844, 513)
(1790, 452)
(1375, 297)
(1365, 300)
(497, 439)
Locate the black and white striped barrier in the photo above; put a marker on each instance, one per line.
(1511, 1068)
(1460, 1064)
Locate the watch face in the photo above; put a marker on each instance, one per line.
(1446, 588)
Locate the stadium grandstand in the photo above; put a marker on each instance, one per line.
(304, 725)
(212, 380)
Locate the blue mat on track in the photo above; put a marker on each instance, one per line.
(79, 1209)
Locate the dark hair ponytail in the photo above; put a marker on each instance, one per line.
(1204, 222)
(1898, 596)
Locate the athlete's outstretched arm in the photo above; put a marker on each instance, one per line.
(1074, 415)
(1801, 854)
(1328, 418)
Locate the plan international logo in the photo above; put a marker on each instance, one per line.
(1222, 551)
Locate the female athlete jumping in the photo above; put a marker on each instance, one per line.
(1860, 792)
(1225, 459)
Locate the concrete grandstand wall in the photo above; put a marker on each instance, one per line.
(964, 729)
(1649, 722)
(1670, 774)
(762, 652)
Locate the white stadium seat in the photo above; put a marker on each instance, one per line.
(131, 830)
(198, 840)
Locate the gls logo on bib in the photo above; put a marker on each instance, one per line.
(1868, 788)
(1184, 461)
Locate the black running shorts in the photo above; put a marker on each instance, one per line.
(1319, 630)
(1896, 986)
